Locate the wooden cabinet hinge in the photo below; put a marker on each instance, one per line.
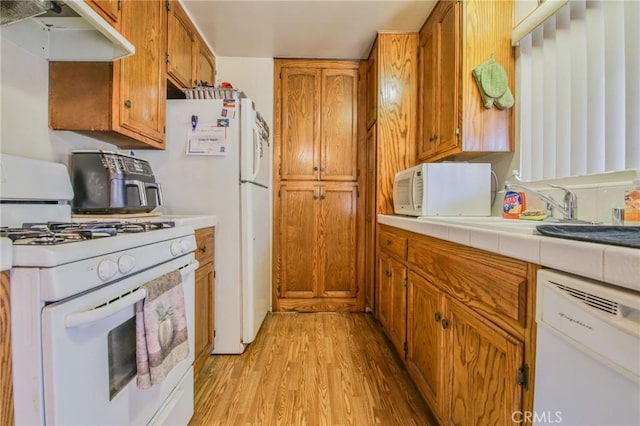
(406, 347)
(167, 5)
(278, 193)
(278, 290)
(406, 282)
(119, 5)
(523, 376)
(214, 274)
(458, 132)
(280, 171)
(167, 58)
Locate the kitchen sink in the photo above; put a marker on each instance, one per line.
(625, 236)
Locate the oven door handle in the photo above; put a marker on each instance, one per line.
(78, 319)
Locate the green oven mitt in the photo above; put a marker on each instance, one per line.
(492, 80)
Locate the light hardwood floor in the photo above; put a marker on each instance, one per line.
(310, 369)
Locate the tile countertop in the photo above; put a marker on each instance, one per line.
(194, 221)
(6, 254)
(611, 264)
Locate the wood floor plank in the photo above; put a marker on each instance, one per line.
(310, 369)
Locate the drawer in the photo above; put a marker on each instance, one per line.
(393, 244)
(205, 245)
(491, 284)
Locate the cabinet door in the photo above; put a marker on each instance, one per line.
(372, 86)
(392, 300)
(108, 9)
(300, 148)
(339, 138)
(204, 316)
(205, 65)
(449, 58)
(369, 220)
(299, 207)
(428, 91)
(483, 369)
(180, 40)
(425, 350)
(142, 77)
(338, 208)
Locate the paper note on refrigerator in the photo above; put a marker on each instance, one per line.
(207, 139)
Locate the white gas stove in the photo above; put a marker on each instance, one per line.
(73, 290)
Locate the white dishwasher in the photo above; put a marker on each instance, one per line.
(587, 353)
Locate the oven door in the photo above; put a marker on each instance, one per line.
(89, 363)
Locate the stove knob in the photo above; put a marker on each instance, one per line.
(107, 269)
(126, 263)
(178, 248)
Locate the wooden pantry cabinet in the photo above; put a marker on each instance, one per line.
(204, 298)
(317, 160)
(392, 81)
(456, 37)
(121, 102)
(469, 325)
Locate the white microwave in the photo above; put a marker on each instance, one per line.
(443, 189)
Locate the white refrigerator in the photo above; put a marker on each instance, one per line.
(211, 169)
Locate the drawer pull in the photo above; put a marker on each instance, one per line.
(438, 317)
(203, 249)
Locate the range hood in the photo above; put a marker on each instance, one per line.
(62, 31)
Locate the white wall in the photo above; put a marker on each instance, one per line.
(24, 110)
(254, 76)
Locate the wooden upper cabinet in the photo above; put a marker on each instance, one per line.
(108, 9)
(453, 123)
(121, 102)
(427, 103)
(142, 77)
(338, 118)
(318, 120)
(205, 64)
(181, 38)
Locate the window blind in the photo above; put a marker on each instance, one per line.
(579, 91)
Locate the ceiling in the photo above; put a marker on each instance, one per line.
(302, 28)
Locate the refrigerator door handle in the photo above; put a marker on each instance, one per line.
(254, 183)
(256, 153)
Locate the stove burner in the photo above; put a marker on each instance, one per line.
(61, 232)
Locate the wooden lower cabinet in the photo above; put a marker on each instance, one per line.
(482, 364)
(425, 341)
(204, 298)
(316, 247)
(392, 311)
(467, 352)
(6, 371)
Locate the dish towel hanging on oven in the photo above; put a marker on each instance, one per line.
(161, 329)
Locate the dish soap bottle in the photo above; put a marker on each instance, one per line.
(632, 204)
(514, 201)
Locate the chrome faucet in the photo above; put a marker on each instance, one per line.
(568, 208)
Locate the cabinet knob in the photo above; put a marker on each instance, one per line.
(315, 168)
(322, 197)
(445, 323)
(437, 317)
(387, 273)
(127, 104)
(203, 249)
(322, 169)
(315, 197)
(388, 242)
